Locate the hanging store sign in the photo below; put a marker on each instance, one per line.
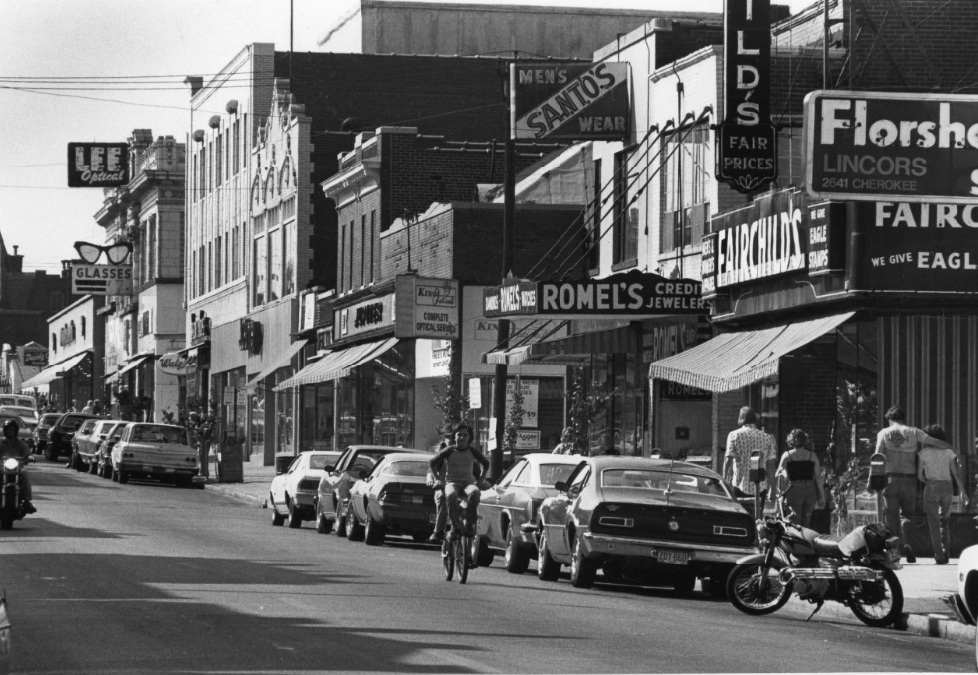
(910, 246)
(101, 279)
(763, 239)
(570, 101)
(875, 146)
(178, 363)
(363, 317)
(826, 238)
(426, 308)
(98, 165)
(631, 294)
(36, 358)
(747, 142)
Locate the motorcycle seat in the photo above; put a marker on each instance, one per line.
(827, 545)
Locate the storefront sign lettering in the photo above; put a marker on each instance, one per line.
(369, 315)
(426, 308)
(98, 164)
(826, 238)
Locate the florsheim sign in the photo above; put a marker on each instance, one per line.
(874, 146)
(570, 101)
(629, 295)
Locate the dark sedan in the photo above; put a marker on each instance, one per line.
(393, 499)
(652, 521)
(507, 511)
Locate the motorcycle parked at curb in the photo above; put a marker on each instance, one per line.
(856, 570)
(13, 503)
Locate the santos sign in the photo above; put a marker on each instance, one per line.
(874, 146)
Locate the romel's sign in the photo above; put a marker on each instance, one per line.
(628, 295)
(874, 146)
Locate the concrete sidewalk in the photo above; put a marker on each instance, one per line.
(925, 584)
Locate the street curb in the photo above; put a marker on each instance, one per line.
(229, 490)
(944, 626)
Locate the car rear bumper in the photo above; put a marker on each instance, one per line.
(305, 500)
(155, 469)
(408, 515)
(595, 544)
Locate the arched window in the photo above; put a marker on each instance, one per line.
(54, 342)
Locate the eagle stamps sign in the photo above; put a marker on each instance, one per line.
(747, 142)
(98, 165)
(876, 146)
(569, 101)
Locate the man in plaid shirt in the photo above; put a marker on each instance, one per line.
(743, 441)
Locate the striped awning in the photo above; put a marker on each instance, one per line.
(734, 360)
(52, 372)
(337, 364)
(283, 359)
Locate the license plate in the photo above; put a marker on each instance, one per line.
(431, 518)
(672, 557)
(417, 499)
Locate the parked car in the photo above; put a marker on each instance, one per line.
(161, 451)
(293, 492)
(333, 493)
(965, 602)
(103, 453)
(393, 499)
(654, 521)
(40, 434)
(88, 439)
(508, 510)
(81, 444)
(20, 400)
(61, 434)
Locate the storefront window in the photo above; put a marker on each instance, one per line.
(347, 422)
(289, 248)
(258, 419)
(275, 265)
(324, 417)
(285, 418)
(260, 271)
(857, 381)
(393, 414)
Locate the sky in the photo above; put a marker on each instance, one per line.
(94, 70)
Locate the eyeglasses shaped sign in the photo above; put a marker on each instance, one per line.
(115, 253)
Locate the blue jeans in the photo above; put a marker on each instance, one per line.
(900, 494)
(453, 492)
(938, 495)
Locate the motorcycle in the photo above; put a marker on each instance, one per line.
(857, 571)
(12, 499)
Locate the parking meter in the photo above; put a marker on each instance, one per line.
(757, 472)
(877, 471)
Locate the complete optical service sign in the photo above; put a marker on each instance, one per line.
(875, 146)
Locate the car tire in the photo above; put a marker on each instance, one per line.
(582, 570)
(323, 524)
(548, 569)
(295, 517)
(340, 525)
(481, 553)
(123, 477)
(49, 454)
(277, 518)
(354, 530)
(93, 467)
(76, 462)
(517, 558)
(373, 533)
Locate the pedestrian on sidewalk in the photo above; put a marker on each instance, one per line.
(899, 443)
(741, 443)
(800, 479)
(938, 470)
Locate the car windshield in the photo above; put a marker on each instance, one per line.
(407, 468)
(158, 433)
(20, 411)
(647, 479)
(319, 462)
(552, 473)
(49, 420)
(23, 401)
(73, 423)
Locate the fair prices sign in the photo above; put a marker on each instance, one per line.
(875, 146)
(761, 240)
(98, 165)
(569, 101)
(919, 247)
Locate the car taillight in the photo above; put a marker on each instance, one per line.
(308, 484)
(384, 496)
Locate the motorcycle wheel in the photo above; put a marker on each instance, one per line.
(744, 592)
(877, 604)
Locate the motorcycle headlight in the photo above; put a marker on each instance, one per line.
(11, 464)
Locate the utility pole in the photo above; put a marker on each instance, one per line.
(502, 334)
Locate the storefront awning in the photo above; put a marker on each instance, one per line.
(52, 372)
(134, 362)
(734, 360)
(337, 364)
(572, 350)
(280, 362)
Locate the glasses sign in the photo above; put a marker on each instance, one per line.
(116, 254)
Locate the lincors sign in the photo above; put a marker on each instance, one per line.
(570, 101)
(98, 165)
(873, 146)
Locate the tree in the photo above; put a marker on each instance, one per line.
(514, 420)
(453, 404)
(583, 407)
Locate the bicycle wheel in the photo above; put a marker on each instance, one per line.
(448, 557)
(463, 557)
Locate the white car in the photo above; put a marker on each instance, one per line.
(965, 603)
(161, 451)
(293, 492)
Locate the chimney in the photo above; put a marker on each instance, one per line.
(196, 83)
(16, 262)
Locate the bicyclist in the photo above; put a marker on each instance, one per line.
(459, 461)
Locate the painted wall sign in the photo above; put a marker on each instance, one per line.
(101, 279)
(631, 294)
(98, 165)
(426, 308)
(763, 239)
(875, 146)
(911, 246)
(826, 238)
(572, 101)
(747, 142)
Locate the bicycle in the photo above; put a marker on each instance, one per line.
(456, 550)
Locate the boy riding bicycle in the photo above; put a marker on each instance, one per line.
(458, 460)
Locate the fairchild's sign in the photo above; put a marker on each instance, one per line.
(98, 164)
(571, 101)
(875, 146)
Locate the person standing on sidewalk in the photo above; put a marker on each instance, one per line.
(741, 443)
(938, 471)
(800, 481)
(898, 443)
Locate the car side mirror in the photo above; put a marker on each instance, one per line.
(330, 468)
(117, 438)
(362, 474)
(560, 486)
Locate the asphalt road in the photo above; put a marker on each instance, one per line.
(145, 577)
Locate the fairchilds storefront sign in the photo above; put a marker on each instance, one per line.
(630, 295)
